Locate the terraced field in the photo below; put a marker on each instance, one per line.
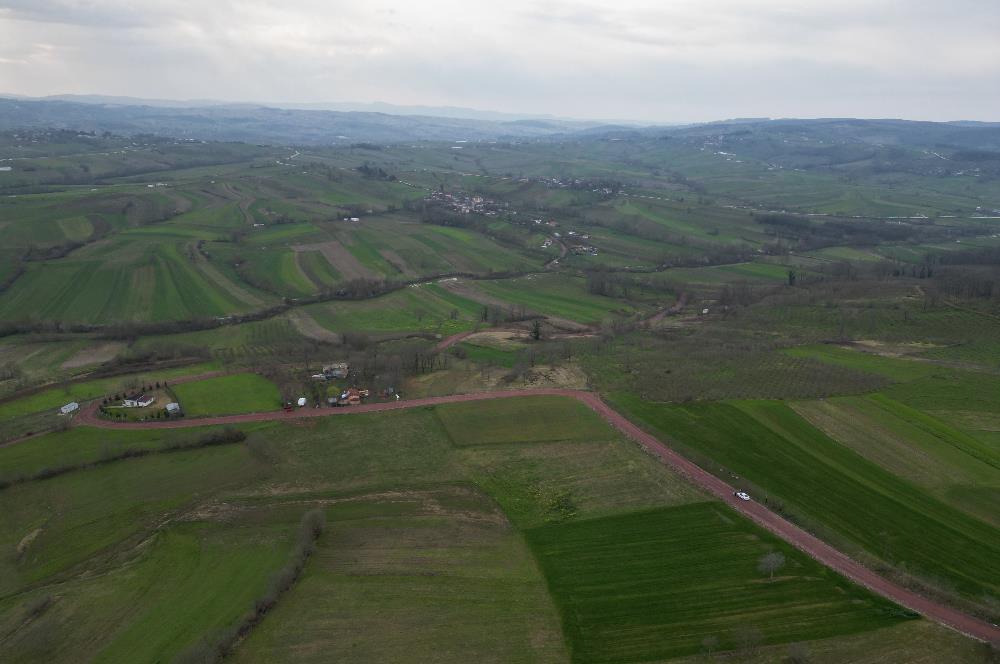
(423, 308)
(554, 295)
(124, 280)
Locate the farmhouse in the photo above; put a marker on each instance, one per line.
(69, 408)
(336, 370)
(352, 397)
(138, 400)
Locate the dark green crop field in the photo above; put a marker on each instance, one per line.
(653, 585)
(835, 490)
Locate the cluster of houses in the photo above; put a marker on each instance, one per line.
(335, 371)
(352, 396)
(464, 203)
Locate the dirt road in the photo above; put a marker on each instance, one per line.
(800, 539)
(448, 342)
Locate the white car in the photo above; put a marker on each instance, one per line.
(742, 495)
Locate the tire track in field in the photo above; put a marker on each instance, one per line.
(756, 512)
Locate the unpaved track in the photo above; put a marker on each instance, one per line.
(800, 539)
(448, 342)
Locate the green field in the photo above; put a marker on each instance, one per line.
(653, 585)
(433, 527)
(424, 308)
(541, 419)
(555, 295)
(922, 449)
(890, 367)
(392, 581)
(812, 477)
(226, 395)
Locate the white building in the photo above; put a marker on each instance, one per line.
(69, 408)
(138, 400)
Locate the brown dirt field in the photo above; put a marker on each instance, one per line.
(501, 339)
(94, 355)
(463, 288)
(450, 381)
(886, 349)
(340, 258)
(308, 327)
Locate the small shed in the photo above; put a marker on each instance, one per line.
(173, 408)
(72, 406)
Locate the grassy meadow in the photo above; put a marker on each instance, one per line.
(228, 395)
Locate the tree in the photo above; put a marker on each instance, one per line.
(770, 563)
(748, 642)
(710, 644)
(536, 329)
(791, 277)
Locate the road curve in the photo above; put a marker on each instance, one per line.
(800, 539)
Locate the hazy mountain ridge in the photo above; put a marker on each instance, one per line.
(828, 140)
(262, 124)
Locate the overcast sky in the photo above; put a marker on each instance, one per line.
(655, 61)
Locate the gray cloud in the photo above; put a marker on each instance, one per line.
(639, 59)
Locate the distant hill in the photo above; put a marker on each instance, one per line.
(345, 107)
(264, 124)
(789, 141)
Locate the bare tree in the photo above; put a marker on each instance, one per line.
(748, 642)
(709, 645)
(770, 563)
